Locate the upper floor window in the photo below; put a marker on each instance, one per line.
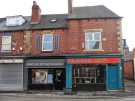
(6, 42)
(93, 40)
(47, 42)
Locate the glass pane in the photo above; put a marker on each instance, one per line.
(48, 38)
(39, 76)
(87, 45)
(6, 47)
(86, 75)
(6, 39)
(94, 45)
(97, 36)
(48, 42)
(48, 46)
(88, 36)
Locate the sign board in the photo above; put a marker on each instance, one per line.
(93, 60)
(11, 60)
(44, 64)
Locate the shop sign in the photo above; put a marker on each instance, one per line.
(93, 60)
(11, 60)
(44, 64)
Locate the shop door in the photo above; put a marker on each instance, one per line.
(112, 78)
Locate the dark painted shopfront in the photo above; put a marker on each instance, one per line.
(94, 74)
(45, 74)
(74, 74)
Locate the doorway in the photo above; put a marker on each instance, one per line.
(113, 80)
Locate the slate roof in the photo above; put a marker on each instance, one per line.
(44, 24)
(25, 26)
(61, 19)
(92, 12)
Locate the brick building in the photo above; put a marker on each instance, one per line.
(80, 50)
(128, 61)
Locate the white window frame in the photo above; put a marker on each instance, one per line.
(87, 41)
(6, 44)
(43, 37)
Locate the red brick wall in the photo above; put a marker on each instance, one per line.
(35, 51)
(17, 42)
(73, 38)
(129, 69)
(110, 40)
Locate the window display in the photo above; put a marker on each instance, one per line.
(41, 76)
(88, 74)
(50, 78)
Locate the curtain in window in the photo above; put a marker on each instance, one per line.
(6, 42)
(38, 39)
(48, 42)
(56, 41)
(93, 40)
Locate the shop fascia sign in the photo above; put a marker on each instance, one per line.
(93, 60)
(11, 60)
(44, 64)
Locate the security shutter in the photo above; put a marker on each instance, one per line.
(11, 77)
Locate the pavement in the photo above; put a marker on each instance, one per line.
(129, 92)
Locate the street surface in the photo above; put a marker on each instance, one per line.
(128, 95)
(6, 98)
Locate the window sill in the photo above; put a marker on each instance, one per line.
(47, 50)
(5, 51)
(93, 50)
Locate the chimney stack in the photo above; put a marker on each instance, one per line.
(36, 13)
(133, 53)
(70, 6)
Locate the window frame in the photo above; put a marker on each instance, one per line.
(92, 40)
(6, 44)
(43, 38)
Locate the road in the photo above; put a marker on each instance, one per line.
(128, 96)
(13, 98)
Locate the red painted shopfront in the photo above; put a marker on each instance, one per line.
(91, 74)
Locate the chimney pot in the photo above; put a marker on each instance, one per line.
(70, 6)
(34, 3)
(36, 13)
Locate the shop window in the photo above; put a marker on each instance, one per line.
(6, 42)
(93, 40)
(88, 74)
(41, 76)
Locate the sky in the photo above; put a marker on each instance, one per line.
(124, 8)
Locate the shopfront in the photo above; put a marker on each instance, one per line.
(45, 74)
(95, 74)
(11, 75)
